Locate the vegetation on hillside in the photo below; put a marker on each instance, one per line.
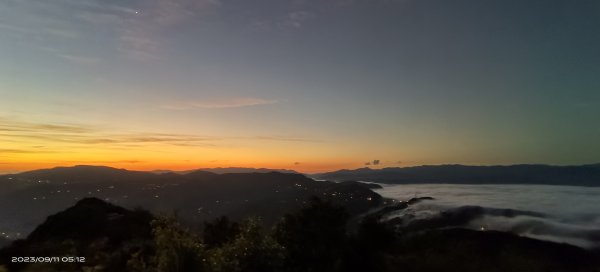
(314, 238)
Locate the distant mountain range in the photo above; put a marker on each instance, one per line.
(228, 170)
(27, 198)
(581, 175)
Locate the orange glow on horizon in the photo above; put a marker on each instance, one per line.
(15, 167)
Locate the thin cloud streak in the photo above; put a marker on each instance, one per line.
(139, 31)
(7, 124)
(237, 102)
(15, 130)
(80, 59)
(137, 28)
(285, 139)
(24, 133)
(22, 151)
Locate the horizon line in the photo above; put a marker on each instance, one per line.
(300, 172)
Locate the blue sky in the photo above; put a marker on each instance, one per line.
(305, 84)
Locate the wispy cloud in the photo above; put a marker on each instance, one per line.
(49, 30)
(144, 138)
(79, 59)
(101, 18)
(62, 32)
(140, 29)
(236, 102)
(22, 151)
(9, 124)
(30, 137)
(137, 27)
(285, 139)
(175, 11)
(295, 15)
(296, 19)
(140, 45)
(15, 130)
(14, 28)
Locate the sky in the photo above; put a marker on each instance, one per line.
(309, 85)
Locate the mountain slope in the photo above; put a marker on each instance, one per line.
(196, 196)
(582, 175)
(229, 170)
(112, 238)
(102, 233)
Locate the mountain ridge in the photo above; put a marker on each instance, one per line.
(28, 197)
(228, 170)
(541, 174)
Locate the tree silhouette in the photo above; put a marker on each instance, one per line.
(176, 248)
(220, 231)
(251, 251)
(314, 237)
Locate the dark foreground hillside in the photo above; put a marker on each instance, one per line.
(315, 237)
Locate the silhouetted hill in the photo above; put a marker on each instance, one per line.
(231, 170)
(582, 175)
(4, 242)
(362, 184)
(90, 219)
(86, 173)
(467, 250)
(93, 229)
(228, 170)
(27, 198)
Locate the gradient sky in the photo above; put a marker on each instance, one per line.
(311, 85)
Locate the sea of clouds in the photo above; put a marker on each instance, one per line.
(566, 214)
